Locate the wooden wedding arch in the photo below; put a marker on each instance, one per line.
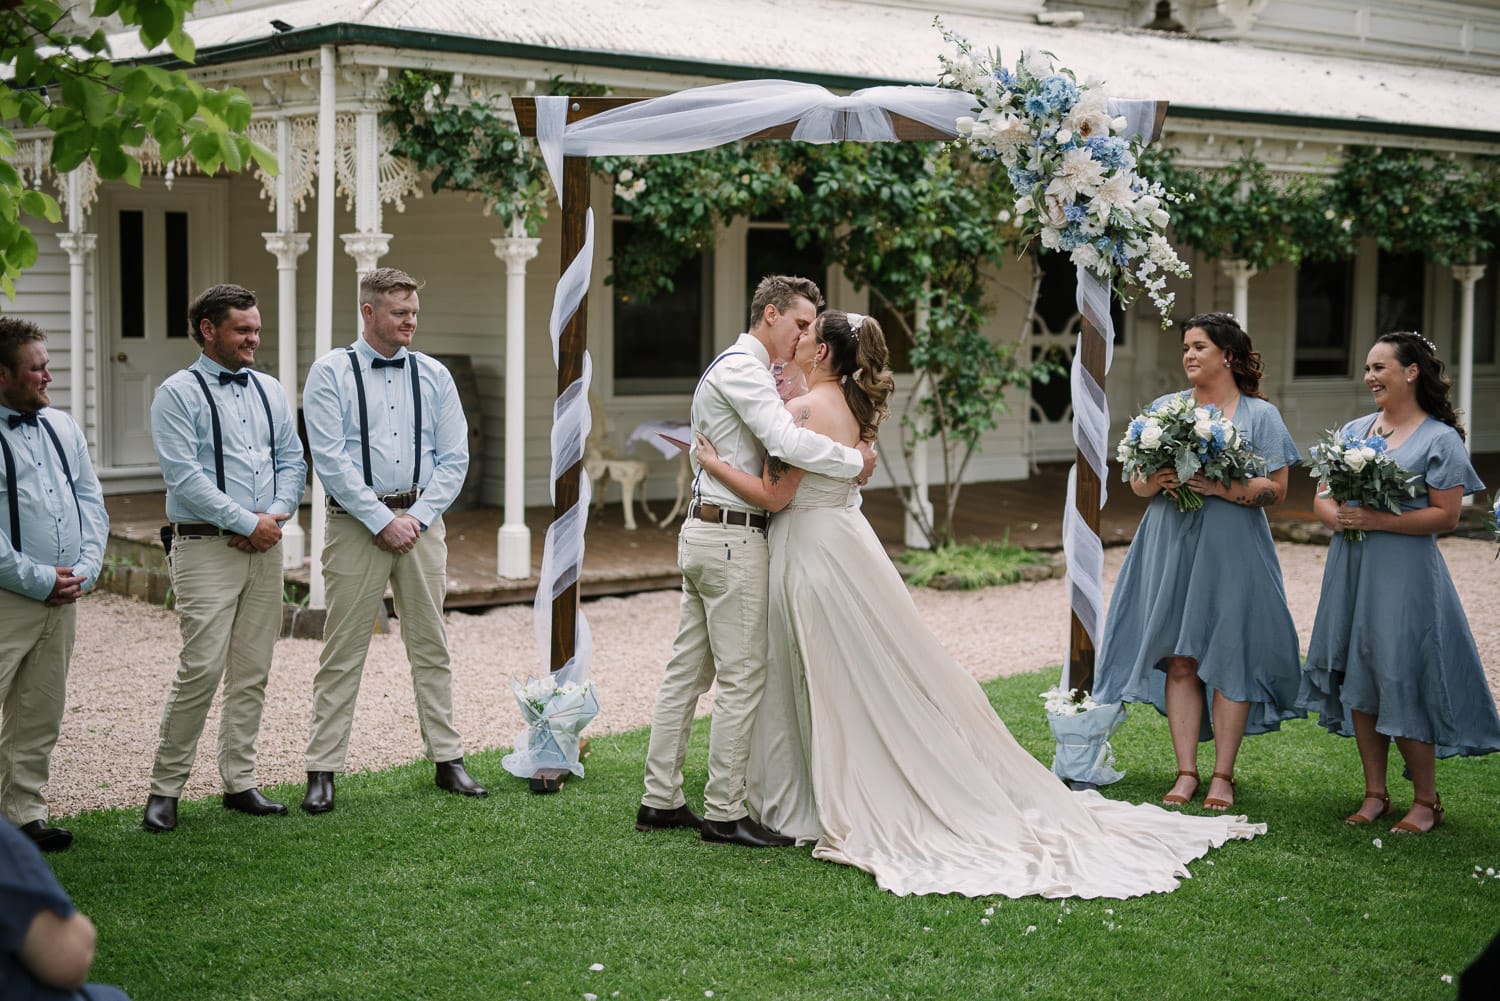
(1090, 354)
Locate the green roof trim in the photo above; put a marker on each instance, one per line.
(301, 40)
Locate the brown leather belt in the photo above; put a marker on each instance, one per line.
(197, 530)
(393, 501)
(729, 516)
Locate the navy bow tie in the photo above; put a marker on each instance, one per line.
(238, 378)
(15, 419)
(389, 362)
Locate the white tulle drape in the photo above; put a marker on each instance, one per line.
(706, 117)
(1082, 547)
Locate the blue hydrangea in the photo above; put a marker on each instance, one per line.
(1022, 180)
(1138, 425)
(1377, 442)
(1054, 96)
(1109, 151)
(1005, 76)
(1075, 213)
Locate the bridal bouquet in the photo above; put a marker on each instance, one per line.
(1175, 432)
(1073, 169)
(1082, 728)
(555, 716)
(1360, 471)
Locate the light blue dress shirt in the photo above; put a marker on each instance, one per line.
(55, 532)
(330, 407)
(183, 433)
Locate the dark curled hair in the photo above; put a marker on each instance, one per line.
(1229, 337)
(213, 304)
(862, 361)
(1431, 385)
(14, 332)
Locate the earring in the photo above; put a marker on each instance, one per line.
(1226, 363)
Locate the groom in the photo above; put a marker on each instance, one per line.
(721, 635)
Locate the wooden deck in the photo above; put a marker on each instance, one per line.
(616, 561)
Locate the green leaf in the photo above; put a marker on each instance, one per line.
(182, 46)
(41, 205)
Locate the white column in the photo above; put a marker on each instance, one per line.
(288, 247)
(367, 245)
(1467, 275)
(1240, 272)
(323, 327)
(78, 246)
(513, 544)
(921, 494)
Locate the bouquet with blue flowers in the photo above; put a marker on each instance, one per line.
(1358, 470)
(1174, 431)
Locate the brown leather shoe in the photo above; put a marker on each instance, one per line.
(743, 832)
(251, 801)
(650, 818)
(319, 798)
(48, 839)
(161, 814)
(452, 778)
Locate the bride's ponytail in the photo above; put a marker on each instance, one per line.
(862, 360)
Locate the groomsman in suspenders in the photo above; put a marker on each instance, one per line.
(390, 443)
(53, 528)
(229, 451)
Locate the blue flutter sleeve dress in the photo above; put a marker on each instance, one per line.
(1390, 637)
(1207, 584)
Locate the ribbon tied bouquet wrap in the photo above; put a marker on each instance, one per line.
(555, 716)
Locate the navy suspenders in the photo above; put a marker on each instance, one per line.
(12, 492)
(213, 413)
(364, 418)
(701, 379)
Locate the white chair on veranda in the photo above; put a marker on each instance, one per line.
(602, 464)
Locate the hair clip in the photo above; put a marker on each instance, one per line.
(856, 320)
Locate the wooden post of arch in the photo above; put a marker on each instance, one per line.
(1091, 357)
(574, 339)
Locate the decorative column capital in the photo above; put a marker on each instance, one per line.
(78, 245)
(1237, 269)
(515, 251)
(1468, 274)
(366, 248)
(286, 246)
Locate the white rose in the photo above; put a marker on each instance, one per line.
(1063, 135)
(964, 125)
(1354, 458)
(1367, 452)
(1151, 436)
(1204, 429)
(1202, 414)
(626, 175)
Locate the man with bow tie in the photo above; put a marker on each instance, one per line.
(53, 528)
(390, 444)
(229, 451)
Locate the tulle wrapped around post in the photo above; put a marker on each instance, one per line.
(555, 717)
(1082, 728)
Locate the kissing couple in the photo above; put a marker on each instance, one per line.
(839, 719)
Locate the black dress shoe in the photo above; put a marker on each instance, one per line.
(649, 818)
(319, 798)
(48, 839)
(161, 814)
(252, 802)
(452, 777)
(743, 832)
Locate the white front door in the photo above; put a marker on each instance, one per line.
(160, 248)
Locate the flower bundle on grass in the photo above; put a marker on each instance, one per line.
(1072, 167)
(1081, 729)
(555, 717)
(1359, 471)
(1175, 432)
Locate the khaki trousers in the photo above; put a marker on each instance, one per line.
(36, 643)
(229, 609)
(721, 638)
(355, 573)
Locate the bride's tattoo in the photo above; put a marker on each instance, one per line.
(804, 415)
(775, 469)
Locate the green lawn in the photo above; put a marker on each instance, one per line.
(407, 893)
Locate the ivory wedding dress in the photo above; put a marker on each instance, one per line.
(878, 747)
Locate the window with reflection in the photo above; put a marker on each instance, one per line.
(662, 345)
(1325, 294)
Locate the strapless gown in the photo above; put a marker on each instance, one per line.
(878, 748)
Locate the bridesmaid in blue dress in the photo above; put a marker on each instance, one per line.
(1391, 654)
(1198, 623)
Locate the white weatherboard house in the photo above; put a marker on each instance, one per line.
(1295, 82)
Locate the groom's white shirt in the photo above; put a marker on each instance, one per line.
(736, 407)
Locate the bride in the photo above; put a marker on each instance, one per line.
(872, 743)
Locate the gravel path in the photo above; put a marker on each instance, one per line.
(126, 655)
